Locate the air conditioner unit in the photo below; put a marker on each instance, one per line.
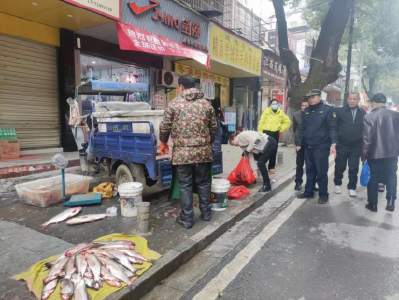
(167, 79)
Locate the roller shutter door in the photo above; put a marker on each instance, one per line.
(28, 92)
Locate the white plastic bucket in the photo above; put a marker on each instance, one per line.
(130, 193)
(219, 190)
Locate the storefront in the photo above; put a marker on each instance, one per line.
(273, 80)
(139, 49)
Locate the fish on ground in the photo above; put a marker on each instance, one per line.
(109, 278)
(66, 289)
(80, 291)
(134, 253)
(55, 271)
(124, 261)
(66, 214)
(81, 264)
(49, 288)
(78, 248)
(118, 244)
(95, 267)
(91, 283)
(86, 219)
(70, 268)
(117, 270)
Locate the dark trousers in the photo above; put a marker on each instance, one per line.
(352, 158)
(316, 170)
(300, 162)
(383, 168)
(190, 175)
(264, 157)
(276, 136)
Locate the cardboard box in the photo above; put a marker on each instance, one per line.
(9, 149)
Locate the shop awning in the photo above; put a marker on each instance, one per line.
(133, 38)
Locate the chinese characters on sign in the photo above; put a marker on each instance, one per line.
(195, 45)
(159, 101)
(133, 38)
(273, 69)
(200, 74)
(223, 95)
(230, 49)
(208, 88)
(230, 115)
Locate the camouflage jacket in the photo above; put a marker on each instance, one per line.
(190, 119)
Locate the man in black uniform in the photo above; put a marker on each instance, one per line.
(317, 134)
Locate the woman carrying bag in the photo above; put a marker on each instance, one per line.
(253, 142)
(273, 122)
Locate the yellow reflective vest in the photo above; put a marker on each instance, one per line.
(274, 121)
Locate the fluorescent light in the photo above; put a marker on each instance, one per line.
(93, 62)
(69, 16)
(34, 4)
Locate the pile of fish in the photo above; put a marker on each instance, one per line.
(86, 265)
(71, 212)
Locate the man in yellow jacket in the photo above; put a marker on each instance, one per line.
(273, 122)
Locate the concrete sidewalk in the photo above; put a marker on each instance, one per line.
(166, 237)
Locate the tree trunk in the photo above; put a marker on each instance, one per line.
(324, 65)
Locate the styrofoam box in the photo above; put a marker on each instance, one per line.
(48, 191)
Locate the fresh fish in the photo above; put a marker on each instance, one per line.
(128, 273)
(49, 288)
(134, 253)
(91, 283)
(95, 267)
(66, 289)
(66, 214)
(78, 248)
(49, 264)
(109, 278)
(117, 270)
(123, 260)
(81, 264)
(55, 270)
(70, 268)
(80, 292)
(100, 252)
(118, 244)
(86, 219)
(88, 274)
(134, 260)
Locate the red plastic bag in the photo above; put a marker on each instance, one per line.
(237, 192)
(242, 174)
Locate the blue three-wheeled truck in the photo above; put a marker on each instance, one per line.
(125, 141)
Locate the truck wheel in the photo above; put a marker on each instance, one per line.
(124, 175)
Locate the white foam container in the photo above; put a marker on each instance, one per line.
(130, 194)
(52, 189)
(155, 116)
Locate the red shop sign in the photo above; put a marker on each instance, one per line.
(133, 38)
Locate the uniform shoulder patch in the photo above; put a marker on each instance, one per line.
(320, 112)
(334, 114)
(307, 113)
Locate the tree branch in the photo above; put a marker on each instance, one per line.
(287, 57)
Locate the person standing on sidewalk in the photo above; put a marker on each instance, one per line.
(317, 135)
(381, 151)
(349, 143)
(273, 122)
(253, 142)
(191, 121)
(300, 155)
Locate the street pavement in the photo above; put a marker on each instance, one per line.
(23, 243)
(301, 251)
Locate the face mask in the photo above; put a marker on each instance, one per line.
(274, 107)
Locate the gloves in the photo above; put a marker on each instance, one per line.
(245, 153)
(164, 148)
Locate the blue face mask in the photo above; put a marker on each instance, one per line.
(274, 107)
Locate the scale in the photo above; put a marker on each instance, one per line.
(60, 162)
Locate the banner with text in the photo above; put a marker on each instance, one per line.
(230, 49)
(208, 88)
(133, 38)
(197, 73)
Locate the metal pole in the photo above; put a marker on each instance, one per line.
(361, 65)
(349, 62)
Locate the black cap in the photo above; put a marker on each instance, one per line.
(314, 92)
(378, 98)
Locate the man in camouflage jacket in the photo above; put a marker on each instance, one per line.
(190, 120)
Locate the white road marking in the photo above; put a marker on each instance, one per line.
(230, 271)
